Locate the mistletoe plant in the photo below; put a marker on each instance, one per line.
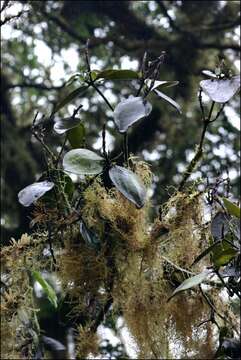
(94, 254)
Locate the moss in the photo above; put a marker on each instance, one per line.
(138, 265)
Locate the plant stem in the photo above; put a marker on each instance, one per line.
(125, 147)
(199, 151)
(102, 95)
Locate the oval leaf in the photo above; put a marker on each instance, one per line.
(191, 282)
(79, 91)
(128, 184)
(127, 112)
(161, 84)
(52, 344)
(76, 136)
(90, 238)
(221, 90)
(62, 125)
(33, 192)
(210, 74)
(83, 162)
(231, 208)
(121, 74)
(49, 291)
(223, 254)
(219, 226)
(169, 100)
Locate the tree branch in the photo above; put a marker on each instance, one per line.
(33, 85)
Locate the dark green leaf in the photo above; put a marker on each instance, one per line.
(83, 162)
(169, 100)
(191, 282)
(46, 288)
(128, 184)
(129, 111)
(74, 94)
(62, 125)
(221, 90)
(90, 238)
(113, 74)
(205, 252)
(76, 136)
(223, 254)
(231, 207)
(33, 192)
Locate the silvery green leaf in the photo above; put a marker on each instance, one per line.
(129, 111)
(128, 184)
(169, 100)
(62, 125)
(219, 226)
(83, 162)
(191, 282)
(53, 344)
(221, 90)
(33, 192)
(209, 74)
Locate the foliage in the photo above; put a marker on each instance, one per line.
(95, 249)
(43, 47)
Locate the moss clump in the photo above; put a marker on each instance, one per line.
(87, 343)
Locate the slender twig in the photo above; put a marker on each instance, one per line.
(230, 291)
(209, 302)
(178, 267)
(199, 151)
(91, 83)
(76, 111)
(87, 58)
(143, 71)
(201, 104)
(125, 147)
(218, 114)
(61, 150)
(104, 141)
(39, 138)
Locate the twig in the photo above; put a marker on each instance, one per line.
(104, 141)
(61, 150)
(230, 291)
(209, 302)
(201, 104)
(178, 267)
(143, 71)
(199, 151)
(91, 83)
(36, 135)
(125, 147)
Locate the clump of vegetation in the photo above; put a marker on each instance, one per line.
(94, 247)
